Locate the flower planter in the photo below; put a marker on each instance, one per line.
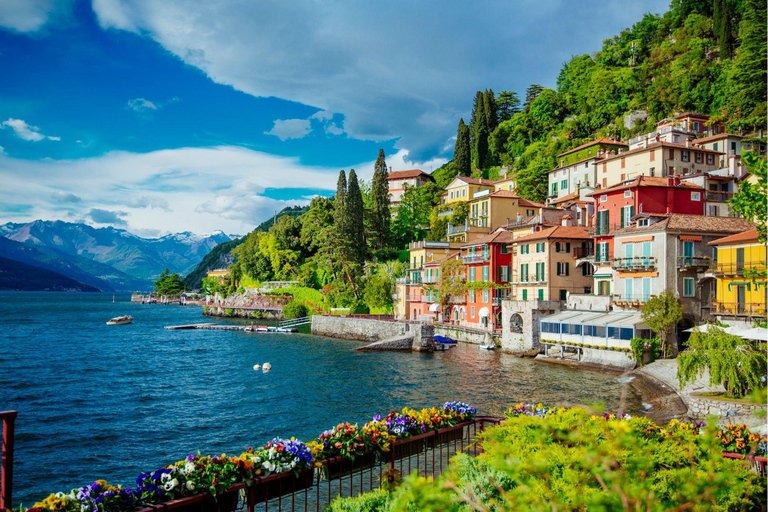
(274, 486)
(342, 466)
(448, 435)
(224, 502)
(409, 447)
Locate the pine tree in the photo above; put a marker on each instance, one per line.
(723, 27)
(491, 110)
(380, 215)
(531, 93)
(354, 213)
(339, 218)
(462, 155)
(508, 104)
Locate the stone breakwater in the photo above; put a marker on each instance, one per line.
(240, 305)
(727, 411)
(381, 334)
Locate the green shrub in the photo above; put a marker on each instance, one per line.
(294, 309)
(228, 311)
(374, 501)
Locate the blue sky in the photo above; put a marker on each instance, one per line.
(198, 115)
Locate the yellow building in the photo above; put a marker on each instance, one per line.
(220, 274)
(490, 210)
(740, 264)
(545, 264)
(464, 188)
(507, 183)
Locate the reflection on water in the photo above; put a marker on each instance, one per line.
(110, 402)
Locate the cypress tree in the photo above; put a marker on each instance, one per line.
(750, 77)
(479, 131)
(491, 110)
(482, 146)
(353, 214)
(723, 15)
(380, 216)
(478, 110)
(462, 156)
(339, 218)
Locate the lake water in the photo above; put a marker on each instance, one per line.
(96, 401)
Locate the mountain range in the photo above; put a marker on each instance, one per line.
(105, 258)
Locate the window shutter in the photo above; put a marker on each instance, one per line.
(567, 246)
(599, 218)
(622, 217)
(557, 246)
(566, 268)
(631, 211)
(537, 272)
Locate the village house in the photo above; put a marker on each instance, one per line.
(545, 264)
(399, 180)
(658, 252)
(489, 210)
(464, 188)
(577, 168)
(741, 288)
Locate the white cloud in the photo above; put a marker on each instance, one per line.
(285, 129)
(149, 202)
(141, 105)
(31, 15)
(26, 131)
(65, 197)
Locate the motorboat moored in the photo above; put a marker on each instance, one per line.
(120, 320)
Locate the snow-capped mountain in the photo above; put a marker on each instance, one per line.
(141, 258)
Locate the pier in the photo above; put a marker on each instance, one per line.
(242, 328)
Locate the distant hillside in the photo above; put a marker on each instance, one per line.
(15, 275)
(221, 255)
(141, 258)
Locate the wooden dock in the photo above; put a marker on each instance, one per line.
(219, 327)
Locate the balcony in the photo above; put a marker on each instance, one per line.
(630, 301)
(737, 268)
(476, 258)
(719, 196)
(738, 309)
(456, 299)
(581, 252)
(430, 279)
(694, 262)
(603, 257)
(456, 230)
(445, 213)
(638, 263)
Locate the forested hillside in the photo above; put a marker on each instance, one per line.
(705, 56)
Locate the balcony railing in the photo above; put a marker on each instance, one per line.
(694, 262)
(456, 299)
(634, 263)
(429, 279)
(476, 258)
(455, 230)
(445, 213)
(581, 252)
(603, 257)
(738, 309)
(630, 300)
(737, 268)
(604, 229)
(719, 196)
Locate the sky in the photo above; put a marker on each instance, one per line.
(161, 116)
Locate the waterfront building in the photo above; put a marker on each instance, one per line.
(617, 206)
(741, 289)
(487, 262)
(658, 252)
(577, 168)
(545, 264)
(507, 183)
(431, 307)
(489, 210)
(678, 129)
(220, 274)
(409, 291)
(399, 180)
(464, 188)
(733, 146)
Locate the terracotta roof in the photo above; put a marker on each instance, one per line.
(661, 145)
(645, 181)
(556, 232)
(592, 143)
(699, 223)
(531, 204)
(746, 236)
(451, 256)
(410, 173)
(597, 158)
(572, 195)
(500, 236)
(719, 136)
(475, 181)
(504, 193)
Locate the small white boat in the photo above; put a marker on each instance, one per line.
(266, 367)
(488, 343)
(120, 320)
(257, 367)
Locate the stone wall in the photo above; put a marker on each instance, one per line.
(590, 356)
(359, 329)
(727, 411)
(241, 313)
(460, 335)
(531, 311)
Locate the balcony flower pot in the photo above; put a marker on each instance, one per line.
(342, 466)
(408, 447)
(448, 435)
(281, 484)
(224, 502)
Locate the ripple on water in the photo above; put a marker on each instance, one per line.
(96, 401)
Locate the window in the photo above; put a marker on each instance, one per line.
(486, 295)
(623, 162)
(710, 159)
(627, 193)
(421, 262)
(604, 288)
(653, 171)
(688, 287)
(564, 185)
(686, 156)
(471, 295)
(451, 194)
(627, 212)
(653, 155)
(671, 154)
(472, 274)
(642, 222)
(603, 198)
(472, 312)
(486, 273)
(695, 196)
(504, 249)
(541, 293)
(602, 252)
(525, 294)
(714, 146)
(562, 269)
(563, 294)
(713, 210)
(464, 192)
(586, 270)
(697, 157)
(629, 284)
(646, 289)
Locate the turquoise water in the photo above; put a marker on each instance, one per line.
(110, 402)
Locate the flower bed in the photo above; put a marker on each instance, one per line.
(280, 467)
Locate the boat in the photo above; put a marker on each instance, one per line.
(488, 343)
(443, 339)
(120, 320)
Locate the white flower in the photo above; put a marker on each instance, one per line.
(627, 417)
(190, 485)
(165, 477)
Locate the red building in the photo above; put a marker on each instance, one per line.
(487, 262)
(616, 206)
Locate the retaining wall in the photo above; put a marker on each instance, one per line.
(460, 335)
(359, 329)
(727, 411)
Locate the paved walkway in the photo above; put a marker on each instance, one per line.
(665, 371)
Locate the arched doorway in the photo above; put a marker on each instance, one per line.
(681, 335)
(516, 323)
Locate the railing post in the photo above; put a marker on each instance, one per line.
(6, 476)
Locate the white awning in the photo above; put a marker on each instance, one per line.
(483, 313)
(434, 308)
(753, 333)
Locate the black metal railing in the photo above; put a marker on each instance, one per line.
(694, 261)
(737, 268)
(634, 263)
(738, 308)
